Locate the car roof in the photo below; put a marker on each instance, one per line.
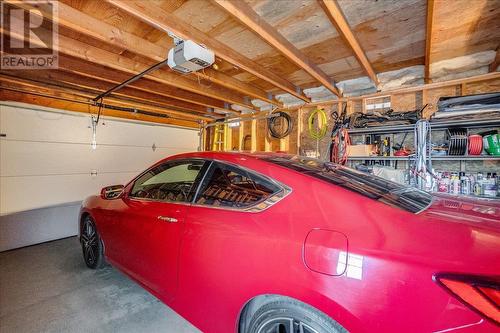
(231, 155)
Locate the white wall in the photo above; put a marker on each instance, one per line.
(46, 161)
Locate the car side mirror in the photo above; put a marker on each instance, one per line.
(112, 192)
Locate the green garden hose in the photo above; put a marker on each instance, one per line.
(314, 132)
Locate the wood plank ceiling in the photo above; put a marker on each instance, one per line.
(263, 48)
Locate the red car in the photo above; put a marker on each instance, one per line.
(264, 243)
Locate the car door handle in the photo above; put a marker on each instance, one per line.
(167, 219)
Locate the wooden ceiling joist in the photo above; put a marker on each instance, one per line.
(155, 16)
(336, 16)
(50, 102)
(87, 25)
(105, 74)
(96, 87)
(428, 40)
(78, 95)
(246, 15)
(74, 48)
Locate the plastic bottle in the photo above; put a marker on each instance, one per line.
(478, 186)
(464, 184)
(443, 183)
(489, 186)
(455, 184)
(498, 185)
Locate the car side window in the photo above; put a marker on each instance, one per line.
(173, 181)
(230, 186)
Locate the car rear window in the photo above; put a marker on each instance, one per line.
(373, 187)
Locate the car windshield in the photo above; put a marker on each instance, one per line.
(388, 192)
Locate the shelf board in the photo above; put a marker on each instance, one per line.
(436, 124)
(466, 158)
(379, 158)
(434, 158)
(382, 129)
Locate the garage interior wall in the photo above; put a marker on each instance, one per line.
(47, 166)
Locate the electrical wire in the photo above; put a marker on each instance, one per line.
(340, 146)
(99, 111)
(314, 132)
(272, 124)
(106, 106)
(199, 80)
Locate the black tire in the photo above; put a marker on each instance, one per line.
(92, 248)
(278, 314)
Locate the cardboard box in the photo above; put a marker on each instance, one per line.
(361, 150)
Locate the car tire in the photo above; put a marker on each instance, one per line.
(286, 315)
(92, 248)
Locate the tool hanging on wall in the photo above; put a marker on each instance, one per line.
(317, 124)
(340, 146)
(422, 172)
(340, 137)
(280, 124)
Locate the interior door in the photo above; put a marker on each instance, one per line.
(153, 221)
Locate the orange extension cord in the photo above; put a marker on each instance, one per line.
(341, 142)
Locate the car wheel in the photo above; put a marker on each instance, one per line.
(287, 315)
(91, 244)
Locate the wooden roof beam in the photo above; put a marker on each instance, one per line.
(94, 86)
(51, 102)
(334, 12)
(92, 27)
(87, 52)
(155, 16)
(105, 74)
(246, 15)
(72, 94)
(428, 40)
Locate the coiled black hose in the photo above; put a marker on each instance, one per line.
(275, 128)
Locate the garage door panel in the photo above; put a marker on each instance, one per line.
(30, 124)
(47, 164)
(21, 158)
(127, 133)
(26, 193)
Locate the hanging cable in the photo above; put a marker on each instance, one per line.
(280, 124)
(340, 137)
(99, 111)
(95, 121)
(199, 80)
(340, 146)
(315, 132)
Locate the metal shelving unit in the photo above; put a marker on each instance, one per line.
(434, 158)
(436, 124)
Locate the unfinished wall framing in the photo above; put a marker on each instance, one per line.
(405, 99)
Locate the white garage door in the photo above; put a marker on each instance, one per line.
(47, 166)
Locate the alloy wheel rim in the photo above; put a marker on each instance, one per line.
(89, 242)
(285, 325)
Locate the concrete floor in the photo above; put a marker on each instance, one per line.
(48, 288)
